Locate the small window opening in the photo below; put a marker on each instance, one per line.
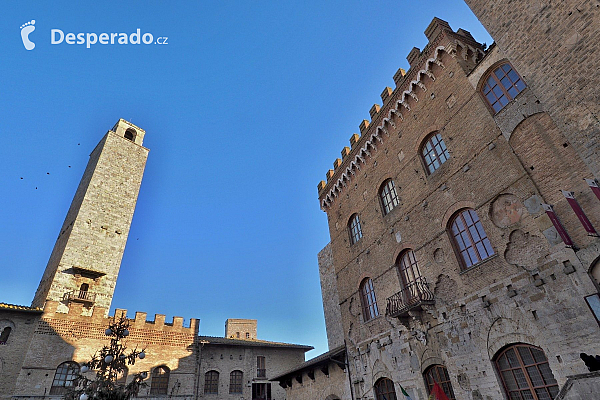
(130, 134)
(5, 334)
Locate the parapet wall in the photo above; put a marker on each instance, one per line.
(74, 324)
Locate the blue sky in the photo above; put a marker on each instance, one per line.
(245, 109)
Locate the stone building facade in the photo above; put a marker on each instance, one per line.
(43, 346)
(463, 230)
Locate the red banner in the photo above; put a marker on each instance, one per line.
(594, 186)
(587, 225)
(556, 222)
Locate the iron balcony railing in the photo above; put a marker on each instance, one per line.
(410, 297)
(81, 296)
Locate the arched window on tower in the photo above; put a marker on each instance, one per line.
(388, 196)
(439, 374)
(354, 229)
(368, 300)
(83, 291)
(470, 240)
(525, 373)
(501, 85)
(384, 389)
(434, 152)
(64, 377)
(130, 134)
(159, 383)
(5, 334)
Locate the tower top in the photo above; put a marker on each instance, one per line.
(129, 131)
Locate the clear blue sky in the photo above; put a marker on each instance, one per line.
(245, 109)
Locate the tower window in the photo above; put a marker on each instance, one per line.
(434, 152)
(160, 380)
(64, 377)
(384, 389)
(439, 374)
(5, 334)
(354, 229)
(130, 134)
(502, 85)
(470, 240)
(369, 302)
(388, 196)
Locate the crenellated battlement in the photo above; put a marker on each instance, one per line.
(94, 325)
(410, 86)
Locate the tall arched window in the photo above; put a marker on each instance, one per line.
(160, 380)
(439, 374)
(235, 381)
(369, 302)
(410, 276)
(525, 373)
(502, 85)
(384, 389)
(211, 382)
(5, 334)
(64, 377)
(469, 238)
(388, 196)
(354, 229)
(434, 152)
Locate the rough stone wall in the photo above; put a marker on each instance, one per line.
(530, 291)
(331, 302)
(60, 337)
(12, 353)
(555, 45)
(95, 230)
(237, 328)
(225, 358)
(334, 386)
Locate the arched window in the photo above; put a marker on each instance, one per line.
(5, 334)
(160, 380)
(439, 374)
(469, 238)
(525, 373)
(130, 134)
(83, 291)
(354, 229)
(502, 85)
(64, 377)
(384, 389)
(410, 276)
(388, 196)
(369, 302)
(122, 376)
(434, 152)
(211, 382)
(235, 381)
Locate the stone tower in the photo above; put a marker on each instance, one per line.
(86, 258)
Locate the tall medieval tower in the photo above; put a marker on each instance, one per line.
(86, 258)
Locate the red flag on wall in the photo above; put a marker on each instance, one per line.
(594, 186)
(556, 222)
(438, 392)
(587, 225)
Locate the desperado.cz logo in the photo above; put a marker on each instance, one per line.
(57, 36)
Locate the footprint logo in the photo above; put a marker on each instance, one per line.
(26, 29)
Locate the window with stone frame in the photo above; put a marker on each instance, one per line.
(211, 382)
(354, 229)
(236, 381)
(64, 377)
(388, 196)
(501, 85)
(159, 383)
(439, 374)
(384, 389)
(469, 238)
(434, 152)
(525, 373)
(368, 300)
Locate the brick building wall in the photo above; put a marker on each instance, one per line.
(503, 166)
